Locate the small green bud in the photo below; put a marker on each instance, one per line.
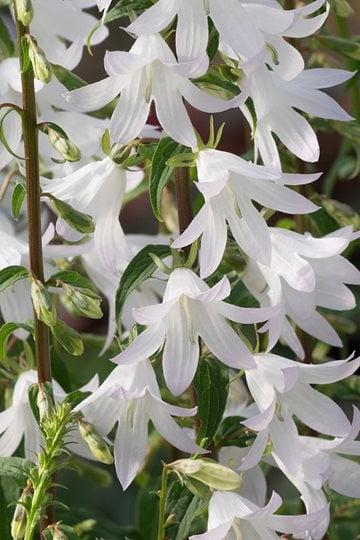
(87, 305)
(98, 447)
(41, 66)
(56, 532)
(24, 11)
(63, 145)
(44, 401)
(18, 523)
(208, 472)
(43, 306)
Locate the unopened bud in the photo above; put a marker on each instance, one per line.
(87, 305)
(56, 532)
(24, 11)
(43, 306)
(18, 523)
(98, 447)
(63, 145)
(208, 472)
(41, 66)
(44, 401)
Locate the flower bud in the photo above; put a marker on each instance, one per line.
(18, 523)
(208, 472)
(98, 447)
(24, 11)
(43, 306)
(87, 305)
(41, 66)
(56, 532)
(63, 145)
(44, 401)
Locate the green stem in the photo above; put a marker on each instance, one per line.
(30, 136)
(163, 495)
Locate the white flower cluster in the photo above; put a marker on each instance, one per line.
(290, 274)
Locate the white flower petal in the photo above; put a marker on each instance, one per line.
(169, 429)
(96, 95)
(131, 111)
(314, 410)
(143, 346)
(181, 351)
(223, 341)
(154, 19)
(345, 476)
(131, 441)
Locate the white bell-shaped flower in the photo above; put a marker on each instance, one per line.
(229, 185)
(148, 72)
(189, 310)
(130, 397)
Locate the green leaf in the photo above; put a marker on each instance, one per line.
(77, 220)
(15, 468)
(211, 386)
(140, 268)
(186, 508)
(161, 173)
(70, 277)
(67, 78)
(213, 44)
(346, 46)
(333, 214)
(7, 46)
(17, 200)
(342, 8)
(220, 81)
(4, 516)
(68, 338)
(5, 332)
(11, 274)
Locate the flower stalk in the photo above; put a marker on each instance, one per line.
(55, 428)
(30, 136)
(162, 505)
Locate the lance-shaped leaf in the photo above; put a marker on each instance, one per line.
(11, 274)
(161, 172)
(68, 338)
(15, 468)
(141, 267)
(17, 199)
(5, 332)
(77, 220)
(75, 280)
(211, 385)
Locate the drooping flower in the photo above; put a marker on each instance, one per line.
(149, 72)
(189, 310)
(282, 389)
(305, 273)
(325, 462)
(243, 26)
(18, 422)
(59, 22)
(130, 397)
(275, 100)
(229, 184)
(233, 516)
(96, 189)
